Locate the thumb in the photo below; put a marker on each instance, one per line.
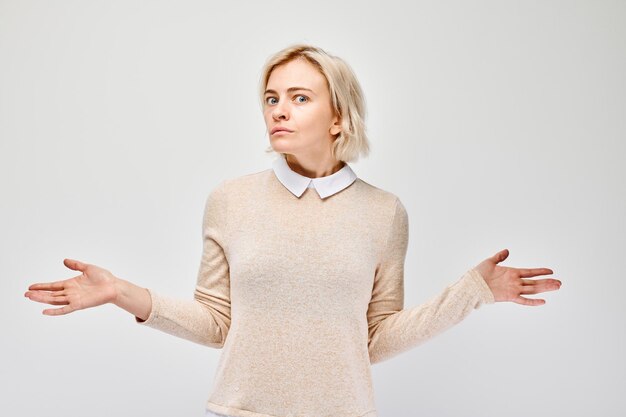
(74, 264)
(500, 256)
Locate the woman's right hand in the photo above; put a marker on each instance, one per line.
(93, 287)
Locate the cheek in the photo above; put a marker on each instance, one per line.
(312, 119)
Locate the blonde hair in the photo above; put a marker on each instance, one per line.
(346, 95)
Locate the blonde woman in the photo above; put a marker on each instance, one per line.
(301, 281)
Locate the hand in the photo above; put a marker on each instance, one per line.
(507, 284)
(93, 287)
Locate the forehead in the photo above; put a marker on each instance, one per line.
(299, 73)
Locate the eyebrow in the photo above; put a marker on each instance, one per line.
(290, 89)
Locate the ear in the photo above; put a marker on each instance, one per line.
(336, 128)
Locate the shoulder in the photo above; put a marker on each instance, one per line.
(389, 216)
(379, 197)
(228, 193)
(239, 184)
(252, 179)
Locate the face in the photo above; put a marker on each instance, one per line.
(297, 98)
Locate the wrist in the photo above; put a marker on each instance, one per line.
(118, 290)
(132, 298)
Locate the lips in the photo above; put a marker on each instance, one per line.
(281, 129)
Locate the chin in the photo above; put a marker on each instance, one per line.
(281, 147)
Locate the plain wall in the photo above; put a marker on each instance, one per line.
(499, 124)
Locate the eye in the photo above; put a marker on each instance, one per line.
(301, 95)
(269, 98)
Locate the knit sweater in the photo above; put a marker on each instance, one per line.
(303, 294)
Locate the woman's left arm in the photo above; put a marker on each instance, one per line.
(393, 329)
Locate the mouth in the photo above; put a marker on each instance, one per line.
(280, 129)
(281, 132)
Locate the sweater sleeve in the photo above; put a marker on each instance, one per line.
(393, 329)
(206, 318)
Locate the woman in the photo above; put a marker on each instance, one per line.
(301, 281)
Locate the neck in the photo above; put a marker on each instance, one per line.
(314, 169)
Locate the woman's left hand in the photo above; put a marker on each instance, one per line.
(507, 284)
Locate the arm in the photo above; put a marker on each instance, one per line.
(393, 329)
(206, 318)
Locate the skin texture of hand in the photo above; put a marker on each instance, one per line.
(93, 287)
(508, 284)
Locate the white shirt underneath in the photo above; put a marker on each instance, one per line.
(325, 186)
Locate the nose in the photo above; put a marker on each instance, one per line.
(279, 112)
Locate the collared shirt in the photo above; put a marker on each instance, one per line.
(325, 186)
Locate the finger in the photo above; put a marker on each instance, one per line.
(529, 301)
(49, 286)
(74, 264)
(48, 298)
(500, 256)
(547, 282)
(533, 272)
(57, 311)
(539, 288)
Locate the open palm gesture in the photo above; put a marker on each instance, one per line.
(508, 284)
(93, 287)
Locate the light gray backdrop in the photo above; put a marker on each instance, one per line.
(499, 124)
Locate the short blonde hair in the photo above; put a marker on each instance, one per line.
(346, 95)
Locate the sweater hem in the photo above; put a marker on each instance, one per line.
(238, 412)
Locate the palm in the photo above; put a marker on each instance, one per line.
(508, 284)
(93, 287)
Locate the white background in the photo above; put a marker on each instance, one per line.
(499, 124)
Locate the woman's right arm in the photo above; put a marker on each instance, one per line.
(205, 319)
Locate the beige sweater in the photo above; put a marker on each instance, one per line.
(303, 295)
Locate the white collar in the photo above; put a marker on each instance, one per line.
(325, 186)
